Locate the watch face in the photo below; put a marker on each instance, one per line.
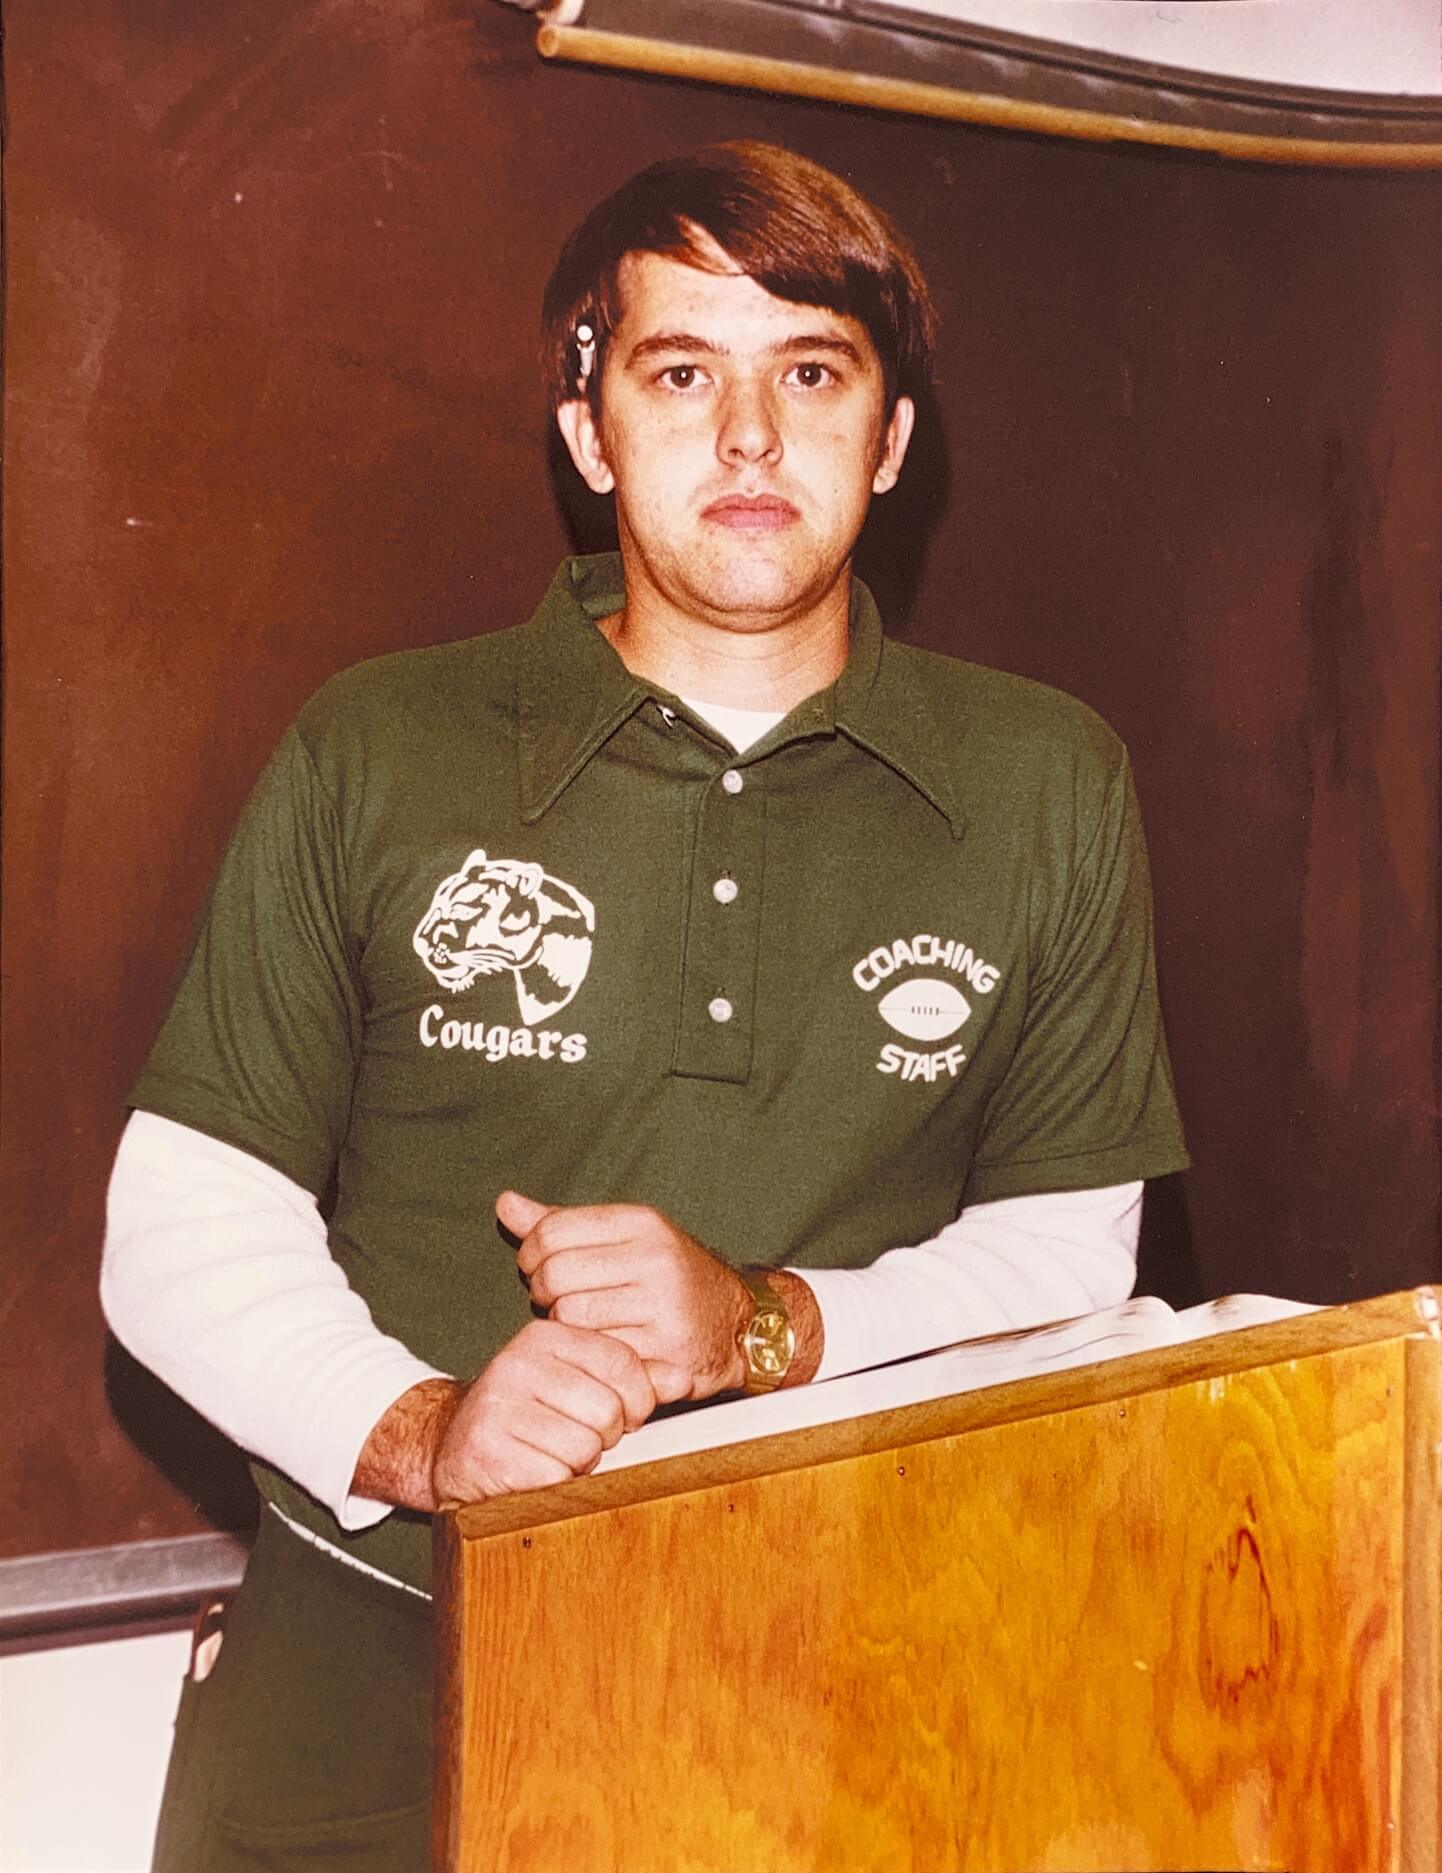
(769, 1343)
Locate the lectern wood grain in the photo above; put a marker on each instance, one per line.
(1163, 1630)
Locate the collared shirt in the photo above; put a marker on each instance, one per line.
(501, 914)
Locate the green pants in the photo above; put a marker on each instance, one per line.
(309, 1744)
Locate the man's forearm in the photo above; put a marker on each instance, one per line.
(397, 1462)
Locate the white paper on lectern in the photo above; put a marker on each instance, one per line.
(1134, 1327)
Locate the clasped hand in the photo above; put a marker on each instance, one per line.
(627, 1271)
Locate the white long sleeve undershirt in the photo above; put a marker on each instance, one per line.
(1018, 1262)
(217, 1275)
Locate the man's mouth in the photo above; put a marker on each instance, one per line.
(751, 513)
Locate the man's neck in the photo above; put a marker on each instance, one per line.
(761, 666)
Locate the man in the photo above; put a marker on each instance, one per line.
(688, 927)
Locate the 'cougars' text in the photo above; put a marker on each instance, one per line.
(495, 1041)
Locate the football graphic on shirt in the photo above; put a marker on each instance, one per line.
(498, 914)
(925, 1010)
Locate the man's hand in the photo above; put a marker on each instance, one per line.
(544, 1409)
(628, 1272)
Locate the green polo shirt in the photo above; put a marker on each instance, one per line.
(500, 914)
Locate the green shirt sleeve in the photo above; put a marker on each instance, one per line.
(260, 1045)
(1088, 1098)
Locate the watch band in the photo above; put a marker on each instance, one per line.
(767, 1340)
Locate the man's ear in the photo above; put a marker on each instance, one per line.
(893, 451)
(577, 423)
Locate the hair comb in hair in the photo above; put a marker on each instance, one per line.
(585, 354)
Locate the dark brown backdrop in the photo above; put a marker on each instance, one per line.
(272, 408)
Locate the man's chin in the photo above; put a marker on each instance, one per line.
(758, 596)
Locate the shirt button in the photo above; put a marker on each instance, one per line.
(724, 890)
(732, 781)
(720, 1010)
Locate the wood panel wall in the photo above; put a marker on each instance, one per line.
(272, 408)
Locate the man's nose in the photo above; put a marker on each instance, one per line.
(750, 429)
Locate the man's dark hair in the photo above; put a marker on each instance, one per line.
(795, 228)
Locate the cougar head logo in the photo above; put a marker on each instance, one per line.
(503, 913)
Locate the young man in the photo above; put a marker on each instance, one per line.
(712, 946)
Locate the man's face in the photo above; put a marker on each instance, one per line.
(744, 437)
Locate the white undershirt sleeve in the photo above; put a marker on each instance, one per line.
(1019, 1262)
(217, 1276)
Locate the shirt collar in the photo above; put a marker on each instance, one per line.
(575, 692)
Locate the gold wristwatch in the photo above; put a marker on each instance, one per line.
(767, 1340)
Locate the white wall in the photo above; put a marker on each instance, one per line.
(84, 1740)
(1344, 45)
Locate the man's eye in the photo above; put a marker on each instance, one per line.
(811, 375)
(681, 376)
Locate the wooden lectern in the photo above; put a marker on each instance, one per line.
(1175, 1611)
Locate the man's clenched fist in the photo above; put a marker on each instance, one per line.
(626, 1271)
(544, 1409)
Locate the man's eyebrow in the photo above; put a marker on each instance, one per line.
(661, 343)
(821, 341)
